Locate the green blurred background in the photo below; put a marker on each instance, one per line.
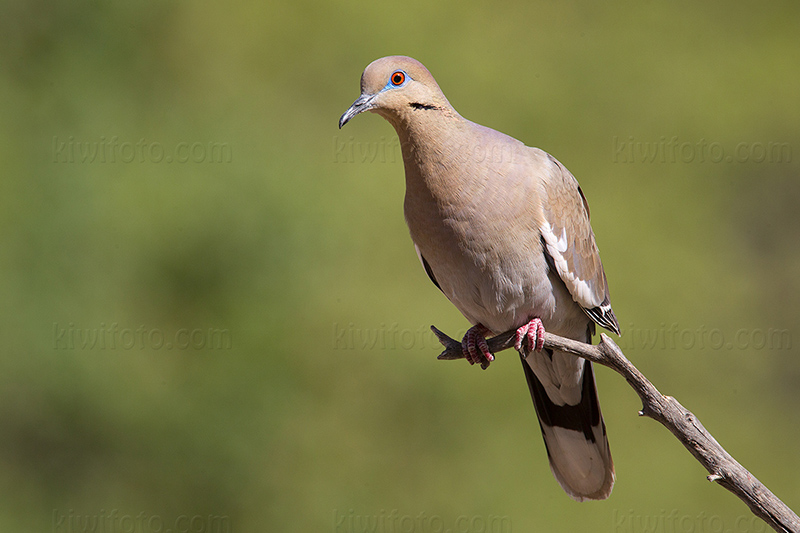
(175, 169)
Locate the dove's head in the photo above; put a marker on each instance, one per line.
(397, 87)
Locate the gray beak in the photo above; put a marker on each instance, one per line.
(362, 103)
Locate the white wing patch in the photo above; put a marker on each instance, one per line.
(561, 243)
(557, 246)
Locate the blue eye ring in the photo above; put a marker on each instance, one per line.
(397, 78)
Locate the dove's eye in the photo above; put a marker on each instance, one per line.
(398, 78)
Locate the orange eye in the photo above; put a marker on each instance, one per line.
(398, 77)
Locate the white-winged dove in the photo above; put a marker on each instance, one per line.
(503, 231)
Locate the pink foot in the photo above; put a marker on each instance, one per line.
(474, 346)
(534, 332)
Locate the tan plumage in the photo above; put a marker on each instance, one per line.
(503, 230)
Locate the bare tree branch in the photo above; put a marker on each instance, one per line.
(722, 468)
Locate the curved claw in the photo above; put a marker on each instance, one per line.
(534, 332)
(475, 348)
